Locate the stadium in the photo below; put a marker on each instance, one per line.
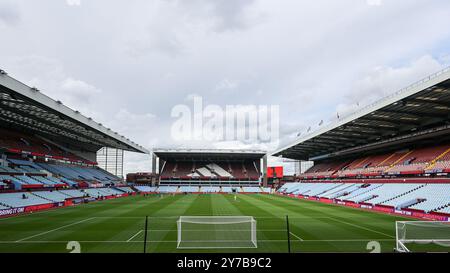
(224, 135)
(380, 182)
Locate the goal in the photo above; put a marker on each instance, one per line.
(196, 232)
(410, 235)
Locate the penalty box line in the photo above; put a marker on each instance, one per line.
(296, 236)
(135, 235)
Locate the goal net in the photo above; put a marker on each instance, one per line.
(410, 235)
(197, 232)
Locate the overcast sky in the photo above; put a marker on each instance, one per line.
(126, 64)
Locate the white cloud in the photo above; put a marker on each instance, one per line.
(384, 80)
(9, 13)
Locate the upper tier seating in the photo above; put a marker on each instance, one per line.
(51, 181)
(208, 170)
(24, 142)
(414, 161)
(79, 173)
(29, 180)
(28, 166)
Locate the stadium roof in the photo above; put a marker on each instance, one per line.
(26, 108)
(208, 154)
(419, 112)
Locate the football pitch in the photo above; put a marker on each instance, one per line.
(118, 225)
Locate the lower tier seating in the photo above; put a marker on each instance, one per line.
(23, 199)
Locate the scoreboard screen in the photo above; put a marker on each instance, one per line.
(275, 172)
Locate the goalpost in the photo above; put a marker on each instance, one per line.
(195, 232)
(409, 233)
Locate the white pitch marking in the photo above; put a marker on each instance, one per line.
(300, 239)
(361, 227)
(134, 236)
(170, 241)
(48, 231)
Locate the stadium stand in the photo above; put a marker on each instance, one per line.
(424, 197)
(433, 159)
(392, 155)
(24, 143)
(48, 151)
(209, 168)
(206, 170)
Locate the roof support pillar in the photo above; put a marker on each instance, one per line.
(264, 171)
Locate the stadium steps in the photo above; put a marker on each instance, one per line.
(385, 160)
(410, 204)
(441, 207)
(361, 164)
(364, 192)
(328, 190)
(37, 195)
(212, 171)
(351, 192)
(400, 195)
(398, 160)
(433, 162)
(341, 192)
(368, 198)
(70, 196)
(5, 205)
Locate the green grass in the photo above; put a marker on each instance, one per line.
(116, 225)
